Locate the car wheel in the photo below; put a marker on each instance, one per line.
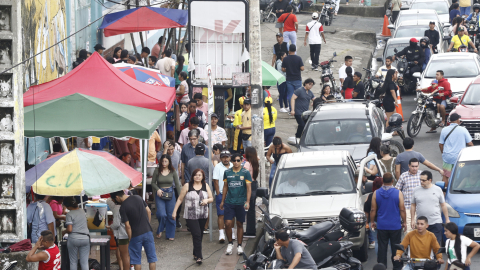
(396, 148)
(362, 253)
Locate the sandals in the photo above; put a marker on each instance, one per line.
(159, 236)
(171, 239)
(199, 261)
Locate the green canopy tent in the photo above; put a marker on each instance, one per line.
(82, 116)
(270, 76)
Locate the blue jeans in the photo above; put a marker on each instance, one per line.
(164, 214)
(268, 135)
(272, 174)
(291, 87)
(246, 144)
(463, 11)
(290, 37)
(282, 91)
(135, 248)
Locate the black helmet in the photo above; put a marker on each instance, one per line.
(426, 40)
(476, 5)
(395, 120)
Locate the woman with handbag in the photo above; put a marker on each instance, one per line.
(456, 248)
(78, 243)
(197, 195)
(164, 179)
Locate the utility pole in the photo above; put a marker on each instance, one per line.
(256, 83)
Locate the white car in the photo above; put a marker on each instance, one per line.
(440, 6)
(418, 14)
(460, 68)
(416, 29)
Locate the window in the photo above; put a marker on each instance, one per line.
(453, 68)
(338, 132)
(465, 178)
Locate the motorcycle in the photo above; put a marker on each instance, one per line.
(426, 111)
(371, 83)
(295, 5)
(428, 264)
(268, 15)
(323, 244)
(326, 15)
(327, 77)
(405, 80)
(472, 27)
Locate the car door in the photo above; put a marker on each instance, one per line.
(362, 197)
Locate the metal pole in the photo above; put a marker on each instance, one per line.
(144, 165)
(210, 166)
(256, 83)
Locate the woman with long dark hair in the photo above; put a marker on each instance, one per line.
(179, 68)
(197, 195)
(389, 88)
(253, 167)
(373, 149)
(117, 54)
(348, 84)
(269, 118)
(456, 247)
(163, 180)
(325, 92)
(275, 152)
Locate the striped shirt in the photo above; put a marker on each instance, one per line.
(406, 184)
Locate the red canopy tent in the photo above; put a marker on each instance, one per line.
(98, 78)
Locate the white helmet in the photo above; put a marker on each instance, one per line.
(315, 15)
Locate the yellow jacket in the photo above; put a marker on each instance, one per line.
(266, 118)
(238, 118)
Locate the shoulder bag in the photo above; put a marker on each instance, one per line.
(280, 24)
(449, 134)
(456, 265)
(29, 225)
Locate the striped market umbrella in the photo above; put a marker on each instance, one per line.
(146, 75)
(70, 173)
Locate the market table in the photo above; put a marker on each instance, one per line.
(95, 240)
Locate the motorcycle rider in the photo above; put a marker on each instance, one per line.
(433, 36)
(442, 95)
(382, 71)
(293, 252)
(476, 11)
(314, 34)
(414, 54)
(424, 42)
(461, 40)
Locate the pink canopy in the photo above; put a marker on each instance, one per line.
(98, 78)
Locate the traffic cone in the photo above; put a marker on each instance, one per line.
(385, 30)
(399, 106)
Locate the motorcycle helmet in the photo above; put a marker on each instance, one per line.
(395, 120)
(476, 6)
(315, 16)
(426, 40)
(413, 42)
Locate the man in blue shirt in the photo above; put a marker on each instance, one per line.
(452, 140)
(454, 12)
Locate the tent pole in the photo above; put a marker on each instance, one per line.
(144, 164)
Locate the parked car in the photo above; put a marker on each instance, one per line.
(440, 6)
(463, 193)
(459, 68)
(322, 178)
(468, 107)
(348, 125)
(419, 14)
(416, 29)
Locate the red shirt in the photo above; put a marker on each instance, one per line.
(447, 92)
(289, 24)
(53, 262)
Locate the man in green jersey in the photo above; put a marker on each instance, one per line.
(235, 200)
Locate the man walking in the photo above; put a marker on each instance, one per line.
(315, 36)
(300, 103)
(391, 211)
(218, 172)
(292, 65)
(137, 216)
(218, 133)
(40, 215)
(199, 161)
(427, 200)
(341, 71)
(236, 200)
(290, 26)
(403, 159)
(280, 7)
(407, 182)
(433, 36)
(279, 48)
(452, 140)
(188, 152)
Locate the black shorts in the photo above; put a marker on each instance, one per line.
(389, 105)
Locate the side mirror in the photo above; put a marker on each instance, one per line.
(400, 247)
(368, 187)
(417, 75)
(391, 26)
(380, 59)
(386, 137)
(454, 99)
(441, 185)
(306, 115)
(262, 192)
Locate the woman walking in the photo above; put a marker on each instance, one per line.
(276, 150)
(162, 184)
(456, 247)
(179, 68)
(252, 166)
(269, 118)
(182, 89)
(282, 88)
(348, 84)
(78, 243)
(121, 236)
(373, 149)
(197, 195)
(390, 90)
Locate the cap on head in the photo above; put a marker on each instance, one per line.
(434, 82)
(315, 15)
(269, 99)
(200, 149)
(214, 115)
(432, 22)
(461, 28)
(413, 40)
(279, 35)
(454, 117)
(240, 100)
(225, 153)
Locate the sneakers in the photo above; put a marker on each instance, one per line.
(239, 250)
(221, 237)
(206, 231)
(249, 235)
(371, 246)
(283, 110)
(316, 69)
(229, 250)
(234, 234)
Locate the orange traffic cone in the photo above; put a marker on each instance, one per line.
(399, 106)
(385, 30)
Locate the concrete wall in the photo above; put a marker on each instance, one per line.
(20, 258)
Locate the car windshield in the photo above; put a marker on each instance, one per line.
(465, 179)
(410, 31)
(409, 17)
(439, 7)
(338, 132)
(472, 96)
(453, 68)
(389, 51)
(306, 181)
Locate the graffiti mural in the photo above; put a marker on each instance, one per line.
(43, 25)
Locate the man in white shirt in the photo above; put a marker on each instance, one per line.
(315, 35)
(382, 71)
(292, 186)
(341, 72)
(218, 133)
(166, 65)
(218, 183)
